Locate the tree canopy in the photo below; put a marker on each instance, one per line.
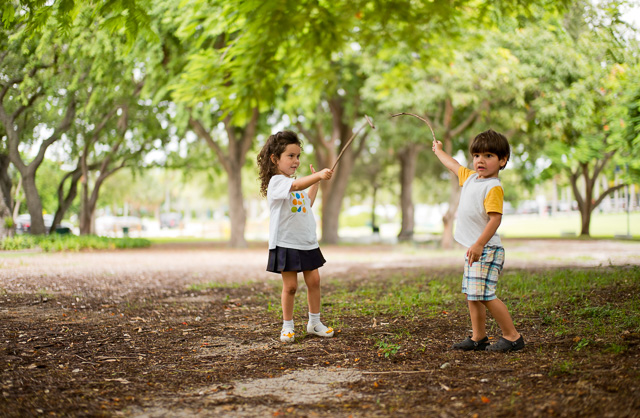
(108, 82)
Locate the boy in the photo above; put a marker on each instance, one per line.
(479, 215)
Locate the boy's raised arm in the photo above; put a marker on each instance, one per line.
(451, 164)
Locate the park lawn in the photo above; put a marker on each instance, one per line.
(603, 225)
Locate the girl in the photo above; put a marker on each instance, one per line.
(293, 245)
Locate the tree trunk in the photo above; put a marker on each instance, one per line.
(374, 228)
(447, 240)
(28, 172)
(585, 215)
(93, 202)
(240, 140)
(333, 191)
(324, 147)
(333, 196)
(588, 202)
(17, 199)
(85, 211)
(237, 212)
(6, 201)
(65, 202)
(34, 204)
(408, 157)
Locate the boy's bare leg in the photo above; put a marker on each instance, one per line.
(500, 312)
(288, 297)
(312, 279)
(478, 314)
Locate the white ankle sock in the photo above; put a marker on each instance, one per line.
(314, 318)
(288, 325)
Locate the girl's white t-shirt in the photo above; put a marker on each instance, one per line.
(291, 222)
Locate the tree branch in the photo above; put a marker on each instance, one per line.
(196, 125)
(574, 186)
(19, 80)
(60, 129)
(601, 164)
(249, 133)
(464, 124)
(307, 134)
(606, 193)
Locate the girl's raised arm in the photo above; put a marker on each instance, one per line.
(311, 179)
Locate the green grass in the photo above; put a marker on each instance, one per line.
(170, 240)
(594, 305)
(197, 287)
(603, 225)
(398, 295)
(55, 242)
(566, 302)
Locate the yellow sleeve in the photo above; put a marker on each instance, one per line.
(493, 201)
(463, 174)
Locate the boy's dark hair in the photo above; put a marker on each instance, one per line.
(491, 141)
(275, 145)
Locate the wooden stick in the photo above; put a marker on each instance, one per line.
(419, 117)
(352, 138)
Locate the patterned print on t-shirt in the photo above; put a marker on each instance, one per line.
(298, 202)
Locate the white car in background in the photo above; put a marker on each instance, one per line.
(23, 223)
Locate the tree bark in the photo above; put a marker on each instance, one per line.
(6, 200)
(408, 157)
(84, 218)
(588, 202)
(240, 140)
(89, 201)
(333, 191)
(65, 201)
(237, 212)
(447, 240)
(34, 204)
(28, 171)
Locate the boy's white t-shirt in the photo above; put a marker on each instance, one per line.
(477, 199)
(291, 222)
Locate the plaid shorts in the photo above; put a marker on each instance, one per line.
(480, 279)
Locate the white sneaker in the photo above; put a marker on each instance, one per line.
(320, 330)
(287, 335)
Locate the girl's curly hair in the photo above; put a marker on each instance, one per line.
(275, 145)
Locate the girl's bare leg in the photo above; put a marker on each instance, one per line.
(312, 279)
(288, 297)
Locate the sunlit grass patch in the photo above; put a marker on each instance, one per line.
(550, 287)
(56, 242)
(197, 287)
(396, 296)
(595, 308)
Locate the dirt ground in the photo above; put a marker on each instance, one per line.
(121, 333)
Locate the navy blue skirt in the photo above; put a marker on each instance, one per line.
(287, 259)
